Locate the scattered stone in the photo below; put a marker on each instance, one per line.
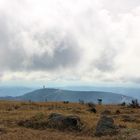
(106, 112)
(121, 126)
(93, 110)
(106, 126)
(38, 121)
(118, 112)
(2, 131)
(61, 122)
(135, 137)
(54, 120)
(91, 105)
(127, 118)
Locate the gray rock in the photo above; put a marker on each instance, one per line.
(93, 110)
(106, 112)
(62, 122)
(128, 118)
(106, 126)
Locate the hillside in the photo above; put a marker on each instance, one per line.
(51, 94)
(128, 91)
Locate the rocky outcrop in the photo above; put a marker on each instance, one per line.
(106, 126)
(54, 120)
(61, 122)
(106, 112)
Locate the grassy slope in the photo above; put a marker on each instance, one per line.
(12, 112)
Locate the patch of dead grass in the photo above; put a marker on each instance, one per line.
(11, 112)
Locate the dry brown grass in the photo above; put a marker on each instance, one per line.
(13, 112)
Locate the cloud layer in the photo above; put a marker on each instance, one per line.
(78, 40)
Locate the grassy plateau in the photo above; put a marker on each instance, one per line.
(12, 112)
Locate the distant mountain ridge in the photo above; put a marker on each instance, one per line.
(128, 91)
(51, 94)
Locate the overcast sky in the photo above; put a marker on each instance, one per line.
(70, 41)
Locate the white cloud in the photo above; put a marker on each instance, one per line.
(81, 40)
